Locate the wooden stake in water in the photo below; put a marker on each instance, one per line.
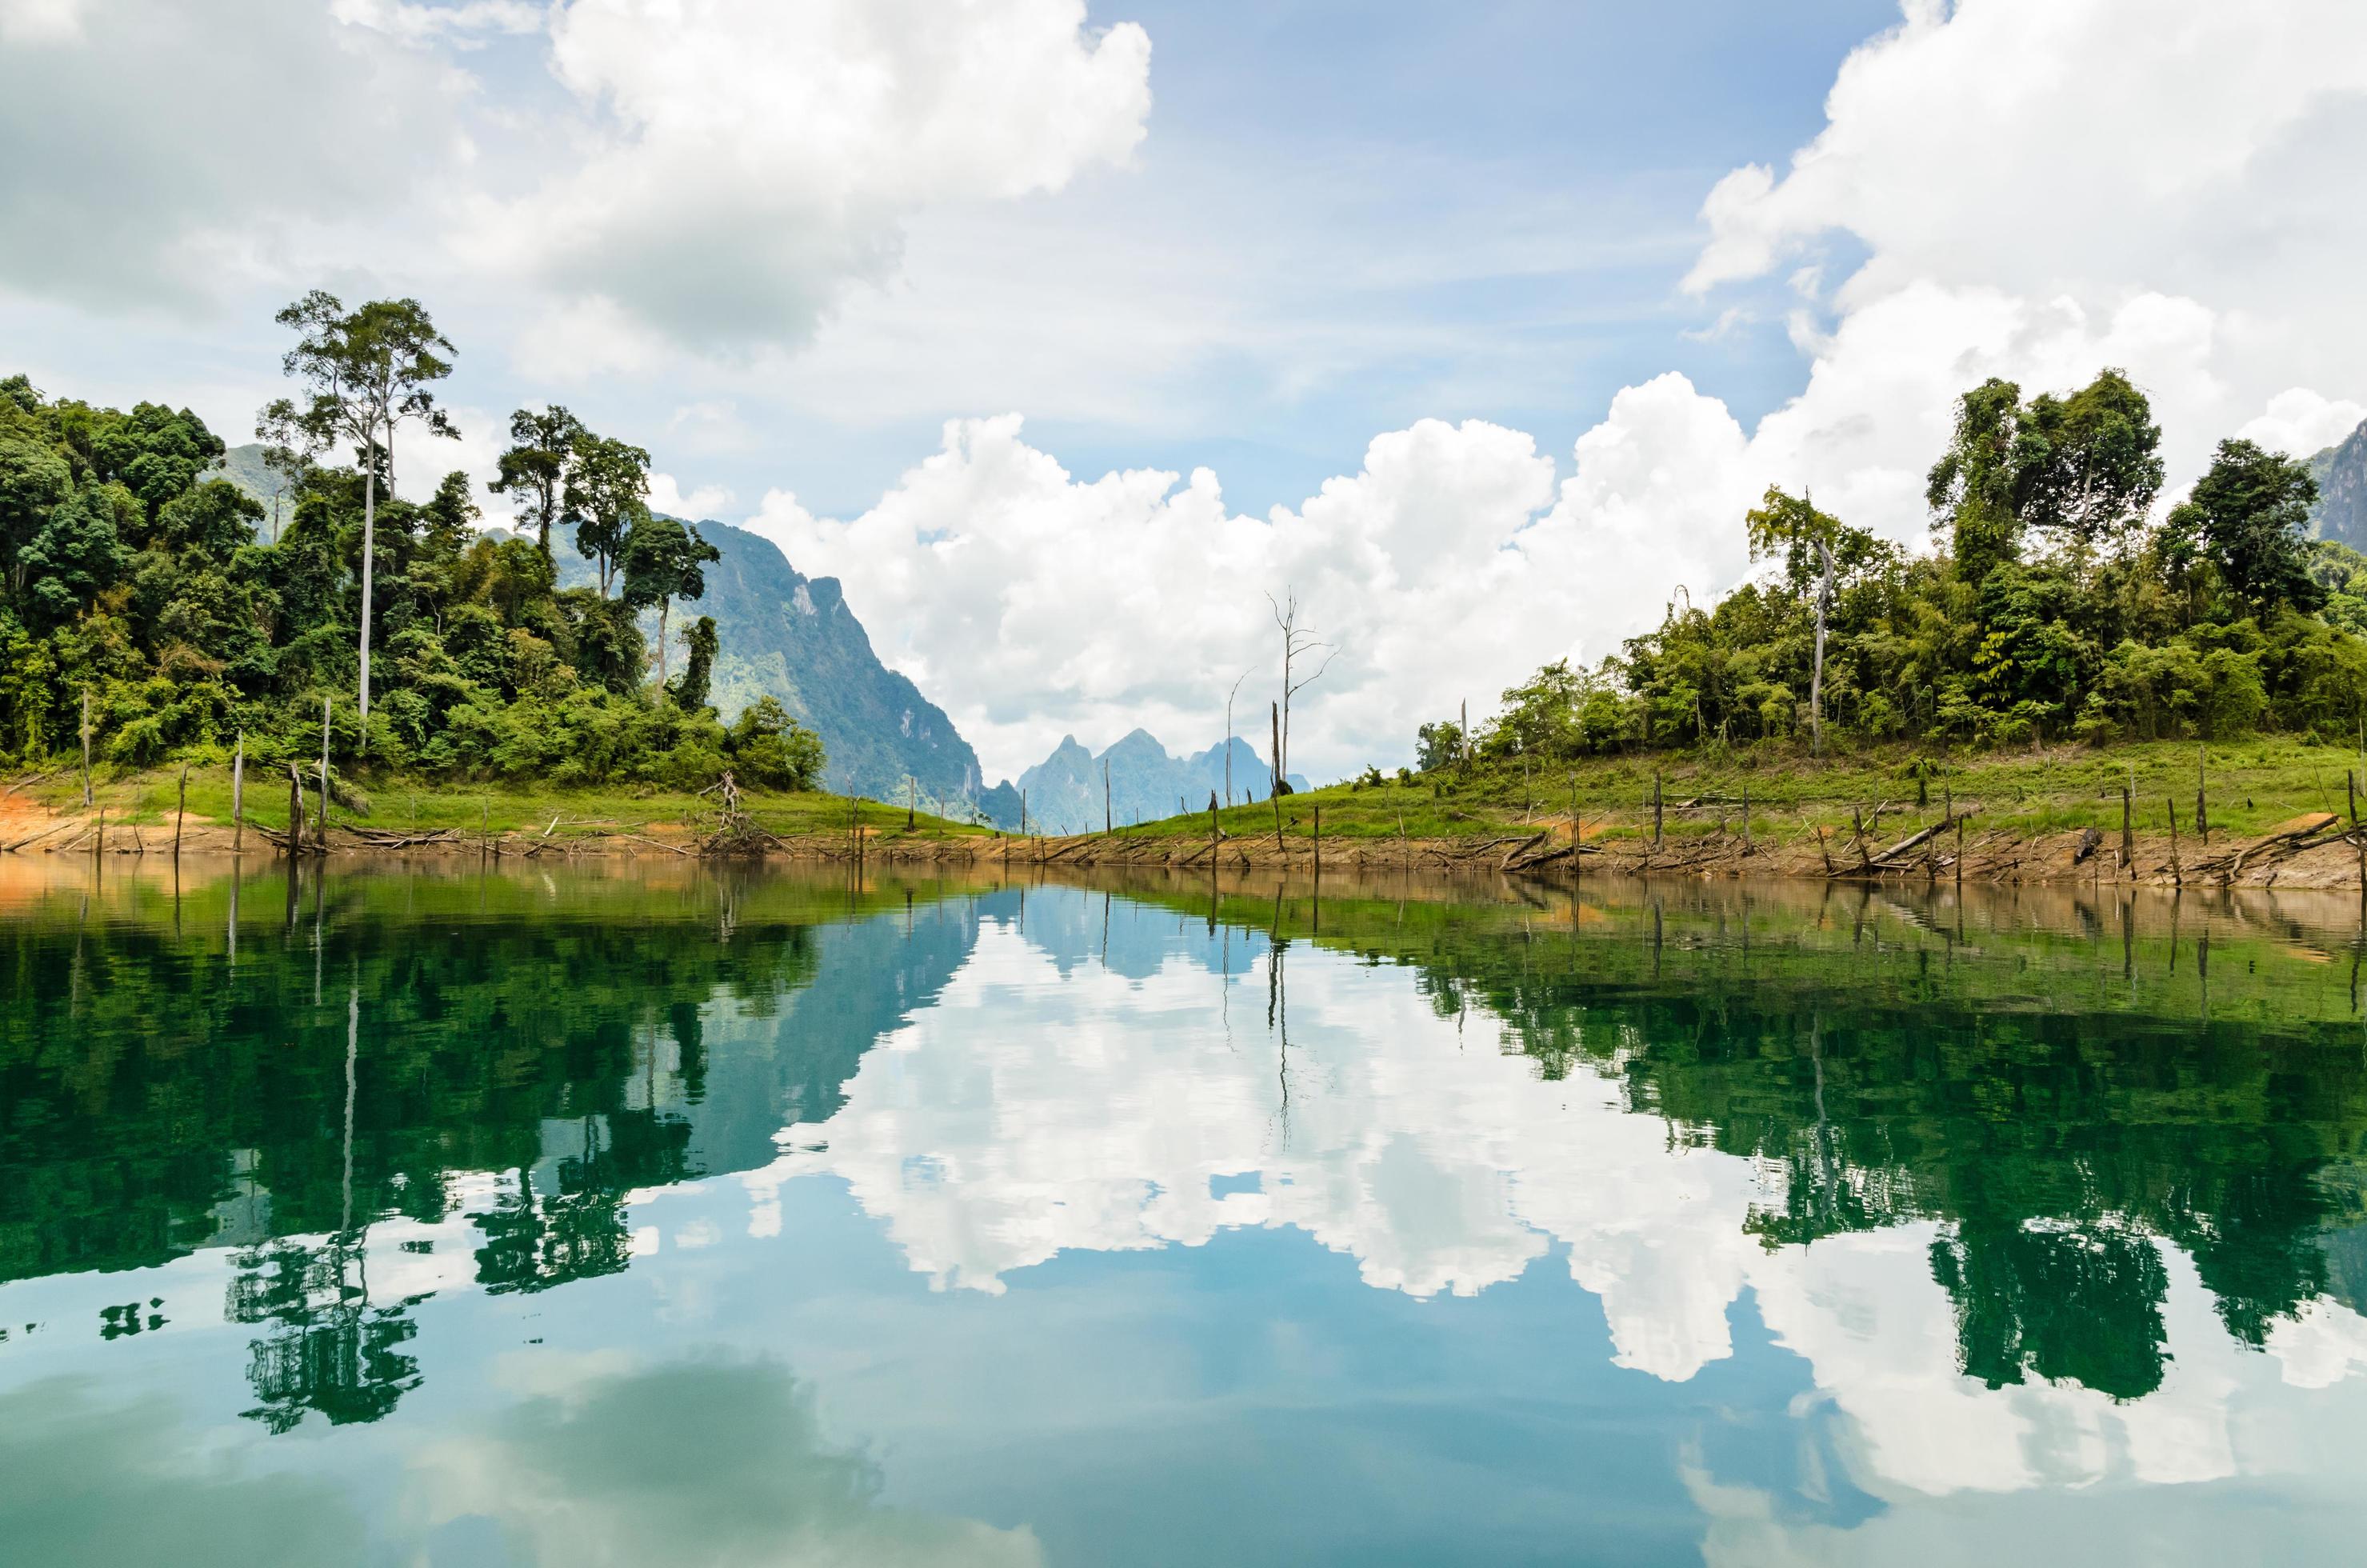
(2128, 836)
(2358, 840)
(2177, 872)
(181, 811)
(321, 828)
(238, 796)
(2202, 806)
(1273, 794)
(1656, 810)
(1319, 841)
(85, 748)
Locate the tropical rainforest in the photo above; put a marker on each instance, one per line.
(150, 603)
(2051, 606)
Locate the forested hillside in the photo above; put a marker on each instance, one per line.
(141, 588)
(2053, 605)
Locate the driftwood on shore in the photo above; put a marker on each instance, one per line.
(1917, 840)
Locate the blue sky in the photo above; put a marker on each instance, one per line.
(1064, 335)
(1469, 211)
(1559, 152)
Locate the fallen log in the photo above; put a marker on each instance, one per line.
(654, 843)
(29, 782)
(2291, 836)
(1523, 847)
(37, 838)
(1917, 840)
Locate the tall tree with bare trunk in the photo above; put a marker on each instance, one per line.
(364, 371)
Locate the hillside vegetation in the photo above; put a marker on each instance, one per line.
(2056, 643)
(2051, 606)
(160, 608)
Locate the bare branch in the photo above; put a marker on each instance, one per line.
(1331, 652)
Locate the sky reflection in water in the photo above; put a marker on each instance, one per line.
(656, 1215)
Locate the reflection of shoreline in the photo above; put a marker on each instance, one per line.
(1692, 1090)
(1032, 1115)
(2327, 924)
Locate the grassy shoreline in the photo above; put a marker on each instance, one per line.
(1801, 808)
(151, 800)
(2252, 786)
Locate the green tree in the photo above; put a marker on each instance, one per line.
(2248, 517)
(700, 642)
(78, 552)
(664, 561)
(606, 498)
(364, 371)
(1540, 716)
(1438, 746)
(534, 467)
(2090, 463)
(1810, 543)
(771, 750)
(154, 453)
(1974, 487)
(34, 477)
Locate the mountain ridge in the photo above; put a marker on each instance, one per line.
(1065, 792)
(2341, 511)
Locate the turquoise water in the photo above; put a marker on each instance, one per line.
(654, 1215)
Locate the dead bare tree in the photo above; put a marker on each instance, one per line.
(1299, 644)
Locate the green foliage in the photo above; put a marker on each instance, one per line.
(663, 559)
(771, 750)
(2247, 520)
(2050, 610)
(534, 467)
(605, 500)
(130, 574)
(1438, 746)
(689, 688)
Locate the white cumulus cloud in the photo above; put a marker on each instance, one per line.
(1031, 602)
(654, 175)
(740, 164)
(2045, 188)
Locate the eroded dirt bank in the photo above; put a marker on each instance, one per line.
(2308, 852)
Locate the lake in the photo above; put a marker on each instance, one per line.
(657, 1213)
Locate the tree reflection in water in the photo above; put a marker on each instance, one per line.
(2056, 1101)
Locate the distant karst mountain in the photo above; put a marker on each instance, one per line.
(1064, 791)
(793, 637)
(2341, 474)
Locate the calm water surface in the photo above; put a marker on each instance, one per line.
(657, 1215)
